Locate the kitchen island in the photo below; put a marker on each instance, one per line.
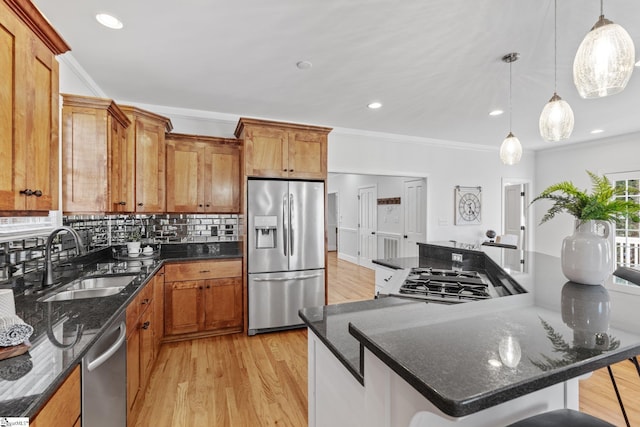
(64, 331)
(481, 363)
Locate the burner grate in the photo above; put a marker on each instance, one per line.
(451, 285)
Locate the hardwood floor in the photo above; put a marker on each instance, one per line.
(235, 380)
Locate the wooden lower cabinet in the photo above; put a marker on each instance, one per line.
(203, 298)
(63, 408)
(143, 328)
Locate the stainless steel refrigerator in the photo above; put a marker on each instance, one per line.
(285, 257)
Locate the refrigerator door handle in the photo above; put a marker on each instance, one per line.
(285, 279)
(285, 220)
(291, 217)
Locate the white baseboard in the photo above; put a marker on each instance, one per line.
(346, 257)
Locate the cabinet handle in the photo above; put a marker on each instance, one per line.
(204, 271)
(27, 192)
(146, 324)
(122, 203)
(140, 204)
(37, 193)
(145, 301)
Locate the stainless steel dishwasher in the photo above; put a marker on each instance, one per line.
(104, 379)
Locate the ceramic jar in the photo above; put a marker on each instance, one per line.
(586, 255)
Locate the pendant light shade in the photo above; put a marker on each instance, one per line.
(510, 150)
(604, 61)
(556, 120)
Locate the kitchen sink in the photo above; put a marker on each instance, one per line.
(91, 287)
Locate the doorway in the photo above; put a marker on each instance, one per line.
(415, 222)
(516, 199)
(332, 222)
(367, 225)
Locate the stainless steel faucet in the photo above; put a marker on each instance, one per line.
(47, 276)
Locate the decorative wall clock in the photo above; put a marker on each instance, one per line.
(468, 205)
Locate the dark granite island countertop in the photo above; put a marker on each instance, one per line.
(27, 381)
(467, 357)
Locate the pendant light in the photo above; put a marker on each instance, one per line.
(604, 61)
(511, 149)
(556, 121)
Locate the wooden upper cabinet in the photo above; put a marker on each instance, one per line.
(283, 150)
(93, 153)
(28, 110)
(203, 174)
(147, 135)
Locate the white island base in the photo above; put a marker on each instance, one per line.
(337, 399)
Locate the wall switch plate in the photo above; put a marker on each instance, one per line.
(456, 257)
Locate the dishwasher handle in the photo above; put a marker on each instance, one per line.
(111, 350)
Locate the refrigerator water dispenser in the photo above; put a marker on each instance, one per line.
(265, 229)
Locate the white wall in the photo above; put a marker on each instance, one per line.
(570, 163)
(445, 165)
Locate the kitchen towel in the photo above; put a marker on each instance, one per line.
(13, 331)
(7, 303)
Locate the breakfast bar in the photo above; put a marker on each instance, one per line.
(400, 361)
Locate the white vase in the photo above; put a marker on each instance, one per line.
(586, 255)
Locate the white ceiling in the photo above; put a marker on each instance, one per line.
(434, 64)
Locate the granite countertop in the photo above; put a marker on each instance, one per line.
(472, 356)
(27, 381)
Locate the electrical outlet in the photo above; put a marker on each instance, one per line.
(456, 257)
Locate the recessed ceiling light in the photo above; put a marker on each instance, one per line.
(304, 65)
(597, 131)
(496, 112)
(109, 21)
(374, 105)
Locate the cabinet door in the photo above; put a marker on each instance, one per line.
(222, 178)
(28, 119)
(133, 364)
(183, 313)
(63, 408)
(42, 119)
(84, 164)
(185, 176)
(307, 155)
(223, 303)
(158, 307)
(266, 152)
(122, 169)
(147, 340)
(150, 166)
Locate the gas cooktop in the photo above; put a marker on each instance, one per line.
(445, 286)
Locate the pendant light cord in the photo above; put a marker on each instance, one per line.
(510, 109)
(555, 46)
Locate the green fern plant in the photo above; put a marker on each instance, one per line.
(604, 202)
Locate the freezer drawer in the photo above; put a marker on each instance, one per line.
(275, 298)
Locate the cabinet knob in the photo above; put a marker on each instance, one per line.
(199, 287)
(146, 325)
(145, 301)
(208, 286)
(405, 236)
(140, 204)
(122, 203)
(37, 193)
(290, 170)
(27, 192)
(207, 205)
(284, 170)
(200, 206)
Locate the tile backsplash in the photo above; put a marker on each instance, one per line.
(21, 256)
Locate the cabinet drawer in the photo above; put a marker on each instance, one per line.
(139, 304)
(203, 270)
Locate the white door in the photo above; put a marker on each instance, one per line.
(515, 212)
(332, 221)
(415, 209)
(367, 225)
